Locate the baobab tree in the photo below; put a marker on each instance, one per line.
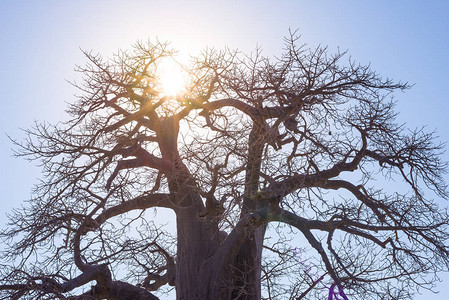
(286, 178)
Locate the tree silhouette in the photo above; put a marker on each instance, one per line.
(285, 177)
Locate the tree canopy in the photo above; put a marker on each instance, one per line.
(285, 177)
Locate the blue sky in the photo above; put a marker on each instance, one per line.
(41, 40)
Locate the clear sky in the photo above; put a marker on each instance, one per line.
(40, 45)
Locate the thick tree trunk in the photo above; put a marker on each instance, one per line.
(247, 268)
(238, 277)
(200, 275)
(223, 275)
(247, 271)
(197, 241)
(197, 237)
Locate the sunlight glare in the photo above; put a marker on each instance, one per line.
(172, 78)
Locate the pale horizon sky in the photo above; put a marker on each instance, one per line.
(40, 42)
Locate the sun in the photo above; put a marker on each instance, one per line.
(172, 78)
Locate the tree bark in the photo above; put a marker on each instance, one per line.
(247, 271)
(197, 241)
(199, 238)
(247, 266)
